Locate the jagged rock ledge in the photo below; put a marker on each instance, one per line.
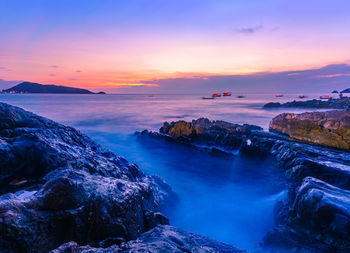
(160, 239)
(58, 186)
(332, 103)
(315, 216)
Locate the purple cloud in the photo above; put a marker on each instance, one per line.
(250, 30)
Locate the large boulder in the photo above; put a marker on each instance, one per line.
(318, 216)
(331, 128)
(160, 239)
(57, 185)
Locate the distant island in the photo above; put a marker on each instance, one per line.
(28, 87)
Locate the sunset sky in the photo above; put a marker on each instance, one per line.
(152, 45)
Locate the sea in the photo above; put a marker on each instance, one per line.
(230, 198)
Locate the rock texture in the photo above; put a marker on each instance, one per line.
(206, 132)
(160, 239)
(315, 215)
(338, 103)
(330, 128)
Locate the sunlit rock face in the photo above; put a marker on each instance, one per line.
(204, 131)
(314, 217)
(330, 128)
(159, 239)
(58, 185)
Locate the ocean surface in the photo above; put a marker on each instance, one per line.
(229, 198)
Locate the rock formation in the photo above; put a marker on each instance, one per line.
(331, 128)
(159, 239)
(332, 103)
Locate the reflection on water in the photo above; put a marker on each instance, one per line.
(230, 198)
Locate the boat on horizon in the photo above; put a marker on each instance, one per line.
(240, 96)
(208, 97)
(325, 97)
(279, 95)
(216, 95)
(227, 94)
(302, 96)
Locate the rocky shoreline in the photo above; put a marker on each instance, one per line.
(61, 191)
(332, 103)
(315, 216)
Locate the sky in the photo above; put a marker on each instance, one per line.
(176, 45)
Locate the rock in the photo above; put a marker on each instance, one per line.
(159, 239)
(345, 91)
(318, 217)
(272, 105)
(331, 128)
(335, 91)
(332, 103)
(57, 185)
(204, 131)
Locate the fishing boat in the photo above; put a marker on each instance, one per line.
(227, 94)
(216, 95)
(302, 96)
(279, 95)
(240, 96)
(325, 97)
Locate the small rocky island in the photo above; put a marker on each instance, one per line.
(315, 215)
(28, 87)
(62, 192)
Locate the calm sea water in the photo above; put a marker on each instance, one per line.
(229, 198)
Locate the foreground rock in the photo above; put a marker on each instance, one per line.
(337, 103)
(330, 128)
(318, 207)
(315, 215)
(57, 186)
(159, 239)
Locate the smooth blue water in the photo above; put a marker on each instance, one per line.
(229, 198)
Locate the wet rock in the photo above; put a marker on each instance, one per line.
(317, 217)
(57, 185)
(331, 128)
(159, 239)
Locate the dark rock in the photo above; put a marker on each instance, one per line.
(332, 103)
(335, 91)
(330, 128)
(58, 185)
(272, 105)
(345, 91)
(318, 217)
(159, 239)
